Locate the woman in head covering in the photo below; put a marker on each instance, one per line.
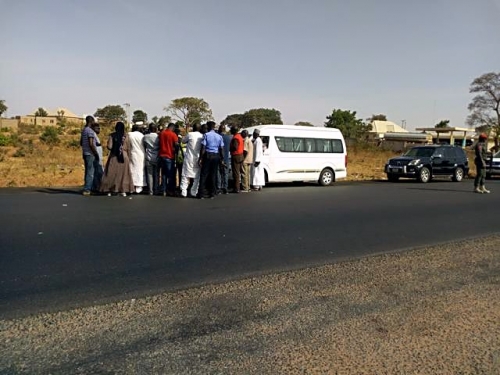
(117, 177)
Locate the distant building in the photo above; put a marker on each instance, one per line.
(390, 136)
(53, 115)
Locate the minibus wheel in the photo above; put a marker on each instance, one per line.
(327, 177)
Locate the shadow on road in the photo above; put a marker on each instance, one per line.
(73, 191)
(442, 190)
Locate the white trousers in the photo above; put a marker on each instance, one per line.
(185, 184)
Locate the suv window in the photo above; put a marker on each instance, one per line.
(449, 153)
(420, 152)
(459, 153)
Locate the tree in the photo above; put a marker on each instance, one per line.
(261, 116)
(303, 123)
(111, 113)
(379, 117)
(442, 124)
(236, 119)
(40, 112)
(189, 110)
(3, 107)
(485, 106)
(139, 115)
(347, 123)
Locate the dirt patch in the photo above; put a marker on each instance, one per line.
(429, 311)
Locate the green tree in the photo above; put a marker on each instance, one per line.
(111, 113)
(379, 117)
(163, 120)
(3, 107)
(442, 124)
(485, 106)
(41, 112)
(189, 110)
(139, 115)
(261, 116)
(303, 123)
(348, 124)
(236, 119)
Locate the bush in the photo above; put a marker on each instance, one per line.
(29, 129)
(20, 153)
(74, 143)
(4, 140)
(50, 136)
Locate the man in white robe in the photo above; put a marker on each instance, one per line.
(137, 158)
(190, 167)
(258, 176)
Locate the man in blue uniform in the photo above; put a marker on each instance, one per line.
(211, 154)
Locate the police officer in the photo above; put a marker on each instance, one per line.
(211, 154)
(480, 161)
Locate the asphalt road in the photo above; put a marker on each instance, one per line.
(61, 250)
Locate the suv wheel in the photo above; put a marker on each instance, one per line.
(392, 178)
(458, 174)
(424, 175)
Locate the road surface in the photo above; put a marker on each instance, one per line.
(61, 250)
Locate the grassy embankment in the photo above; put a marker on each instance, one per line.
(25, 160)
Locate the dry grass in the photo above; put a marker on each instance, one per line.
(44, 166)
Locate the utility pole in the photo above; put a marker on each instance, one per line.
(127, 105)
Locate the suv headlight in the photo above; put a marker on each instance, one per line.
(414, 162)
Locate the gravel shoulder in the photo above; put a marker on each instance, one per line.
(427, 311)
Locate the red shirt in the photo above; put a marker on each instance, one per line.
(168, 140)
(237, 145)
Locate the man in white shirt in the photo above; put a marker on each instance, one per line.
(258, 175)
(137, 158)
(190, 167)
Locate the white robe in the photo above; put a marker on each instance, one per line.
(190, 167)
(137, 158)
(258, 176)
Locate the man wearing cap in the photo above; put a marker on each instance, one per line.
(480, 161)
(258, 175)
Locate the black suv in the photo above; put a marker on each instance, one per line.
(425, 162)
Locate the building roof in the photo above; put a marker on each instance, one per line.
(446, 130)
(386, 127)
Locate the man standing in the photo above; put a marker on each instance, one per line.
(169, 143)
(152, 147)
(98, 162)
(89, 151)
(137, 158)
(212, 151)
(258, 175)
(237, 147)
(480, 161)
(247, 161)
(191, 169)
(222, 172)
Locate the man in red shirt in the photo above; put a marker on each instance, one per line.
(236, 148)
(169, 143)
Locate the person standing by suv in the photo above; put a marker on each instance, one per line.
(480, 161)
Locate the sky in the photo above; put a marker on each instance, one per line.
(411, 60)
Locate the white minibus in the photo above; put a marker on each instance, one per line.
(303, 153)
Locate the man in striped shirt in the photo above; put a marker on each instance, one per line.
(90, 154)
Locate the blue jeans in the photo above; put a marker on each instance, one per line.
(98, 173)
(89, 172)
(222, 178)
(152, 174)
(168, 175)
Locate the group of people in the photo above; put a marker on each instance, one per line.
(169, 164)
